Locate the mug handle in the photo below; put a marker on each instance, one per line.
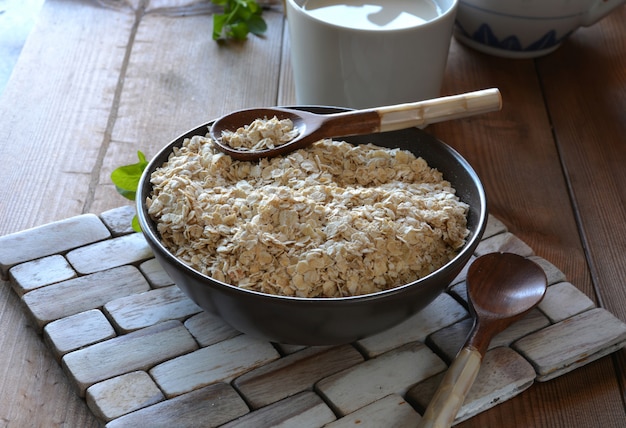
(599, 10)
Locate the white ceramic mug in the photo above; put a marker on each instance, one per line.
(337, 64)
(525, 28)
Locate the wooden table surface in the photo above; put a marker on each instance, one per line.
(98, 81)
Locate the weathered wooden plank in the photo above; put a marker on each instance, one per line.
(82, 293)
(593, 145)
(26, 364)
(56, 110)
(152, 307)
(123, 394)
(208, 407)
(119, 220)
(208, 329)
(220, 362)
(155, 274)
(305, 410)
(295, 373)
(504, 242)
(553, 274)
(393, 372)
(49, 239)
(389, 412)
(186, 79)
(573, 342)
(138, 350)
(563, 300)
(73, 332)
(441, 313)
(514, 154)
(123, 250)
(287, 88)
(37, 273)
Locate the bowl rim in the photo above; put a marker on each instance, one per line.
(148, 226)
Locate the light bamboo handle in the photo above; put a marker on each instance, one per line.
(451, 393)
(422, 113)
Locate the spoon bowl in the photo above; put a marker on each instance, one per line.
(314, 127)
(501, 289)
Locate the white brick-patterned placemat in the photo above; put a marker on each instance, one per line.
(142, 354)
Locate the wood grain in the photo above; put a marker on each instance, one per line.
(295, 373)
(213, 405)
(531, 196)
(593, 151)
(514, 153)
(55, 110)
(179, 78)
(34, 388)
(593, 146)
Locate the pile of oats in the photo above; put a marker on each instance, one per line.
(330, 220)
(261, 134)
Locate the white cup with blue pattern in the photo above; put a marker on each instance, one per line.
(525, 28)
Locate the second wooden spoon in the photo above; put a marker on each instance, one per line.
(501, 289)
(314, 127)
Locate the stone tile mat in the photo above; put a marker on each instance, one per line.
(142, 354)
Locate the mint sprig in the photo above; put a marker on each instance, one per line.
(126, 180)
(239, 18)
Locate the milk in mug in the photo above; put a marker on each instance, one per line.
(368, 53)
(373, 14)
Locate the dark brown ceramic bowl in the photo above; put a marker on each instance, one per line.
(326, 321)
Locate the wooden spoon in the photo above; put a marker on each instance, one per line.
(501, 289)
(314, 127)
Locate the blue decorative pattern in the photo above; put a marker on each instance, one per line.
(484, 35)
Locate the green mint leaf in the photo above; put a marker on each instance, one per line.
(239, 30)
(128, 194)
(142, 159)
(254, 7)
(239, 18)
(218, 25)
(135, 224)
(244, 13)
(126, 178)
(257, 25)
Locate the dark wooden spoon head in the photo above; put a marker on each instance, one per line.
(501, 289)
(237, 119)
(312, 127)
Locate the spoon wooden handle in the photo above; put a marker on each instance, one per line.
(452, 390)
(422, 113)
